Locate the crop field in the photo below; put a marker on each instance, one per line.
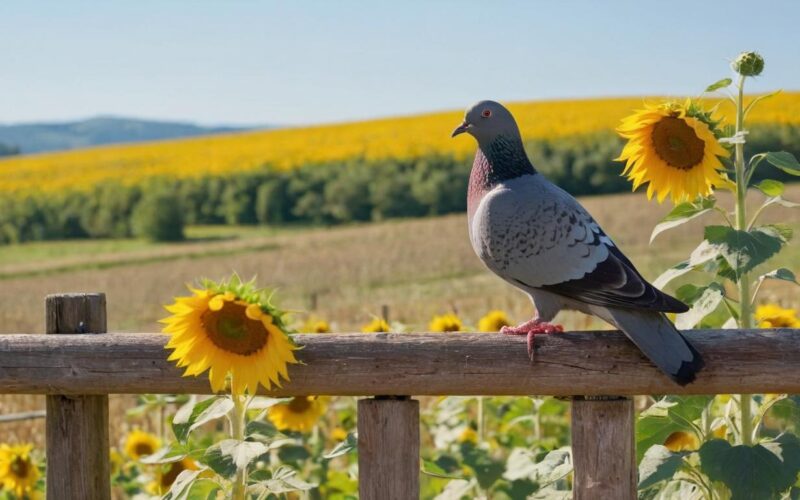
(419, 268)
(392, 138)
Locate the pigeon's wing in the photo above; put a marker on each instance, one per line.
(538, 236)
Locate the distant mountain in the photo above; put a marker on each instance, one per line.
(39, 137)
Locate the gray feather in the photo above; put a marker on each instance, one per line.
(660, 341)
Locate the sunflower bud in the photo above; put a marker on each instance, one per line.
(748, 64)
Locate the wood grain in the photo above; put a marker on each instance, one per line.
(603, 449)
(586, 363)
(76, 426)
(388, 449)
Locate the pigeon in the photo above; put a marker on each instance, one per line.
(538, 238)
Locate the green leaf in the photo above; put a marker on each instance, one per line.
(262, 430)
(659, 464)
(229, 455)
(522, 464)
(668, 415)
(192, 415)
(181, 485)
(744, 250)
(781, 274)
(203, 489)
(682, 213)
(283, 481)
(784, 161)
(720, 84)
(432, 469)
(770, 187)
(760, 471)
(705, 301)
(166, 455)
(487, 470)
(293, 454)
(350, 443)
(704, 253)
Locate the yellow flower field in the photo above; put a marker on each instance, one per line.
(402, 137)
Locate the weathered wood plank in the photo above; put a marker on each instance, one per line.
(603, 449)
(588, 363)
(76, 426)
(388, 449)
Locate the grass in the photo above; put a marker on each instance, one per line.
(417, 267)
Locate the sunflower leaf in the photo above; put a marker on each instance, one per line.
(784, 161)
(283, 480)
(659, 464)
(770, 187)
(203, 489)
(168, 454)
(744, 250)
(760, 471)
(781, 274)
(720, 84)
(670, 414)
(682, 213)
(350, 443)
(182, 484)
(704, 301)
(230, 455)
(192, 415)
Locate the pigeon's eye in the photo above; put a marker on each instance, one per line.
(486, 113)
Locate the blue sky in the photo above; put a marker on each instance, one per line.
(252, 62)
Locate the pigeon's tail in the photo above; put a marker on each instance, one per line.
(660, 341)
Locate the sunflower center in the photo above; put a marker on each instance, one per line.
(677, 143)
(143, 449)
(231, 330)
(299, 404)
(19, 467)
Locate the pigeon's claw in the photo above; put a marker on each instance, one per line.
(531, 329)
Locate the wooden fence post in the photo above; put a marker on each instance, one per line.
(388, 448)
(77, 426)
(603, 448)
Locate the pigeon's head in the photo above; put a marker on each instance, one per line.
(487, 120)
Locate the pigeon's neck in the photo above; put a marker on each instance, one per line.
(501, 160)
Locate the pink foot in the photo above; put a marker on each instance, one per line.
(532, 328)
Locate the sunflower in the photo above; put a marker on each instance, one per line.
(230, 328)
(139, 444)
(774, 316)
(313, 325)
(18, 472)
(493, 321)
(672, 148)
(468, 435)
(300, 414)
(445, 323)
(338, 434)
(682, 441)
(377, 325)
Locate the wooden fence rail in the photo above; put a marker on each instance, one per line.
(77, 370)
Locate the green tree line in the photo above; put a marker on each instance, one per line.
(316, 194)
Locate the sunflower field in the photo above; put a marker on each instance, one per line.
(472, 447)
(318, 175)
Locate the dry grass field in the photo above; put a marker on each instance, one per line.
(417, 267)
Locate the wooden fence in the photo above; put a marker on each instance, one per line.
(77, 369)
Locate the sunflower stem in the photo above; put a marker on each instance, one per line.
(745, 313)
(237, 433)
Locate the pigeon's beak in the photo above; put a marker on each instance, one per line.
(460, 129)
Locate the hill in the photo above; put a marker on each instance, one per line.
(101, 130)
